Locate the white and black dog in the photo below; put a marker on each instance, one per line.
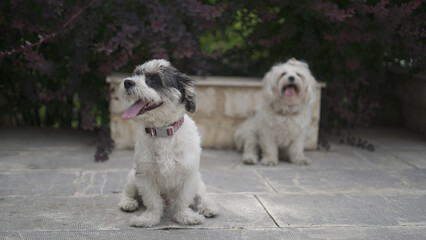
(279, 127)
(167, 150)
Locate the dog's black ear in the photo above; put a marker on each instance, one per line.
(188, 92)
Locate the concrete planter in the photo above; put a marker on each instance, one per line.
(222, 104)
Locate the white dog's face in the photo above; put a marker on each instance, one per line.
(157, 91)
(289, 85)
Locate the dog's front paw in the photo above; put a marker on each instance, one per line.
(269, 161)
(128, 204)
(208, 212)
(147, 219)
(301, 161)
(208, 208)
(250, 160)
(189, 217)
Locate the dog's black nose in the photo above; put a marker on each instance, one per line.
(129, 83)
(291, 79)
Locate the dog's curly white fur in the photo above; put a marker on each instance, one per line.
(279, 127)
(166, 169)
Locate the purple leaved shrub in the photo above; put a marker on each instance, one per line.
(55, 55)
(348, 44)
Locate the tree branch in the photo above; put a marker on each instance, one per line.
(50, 35)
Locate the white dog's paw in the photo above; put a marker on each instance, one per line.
(301, 160)
(189, 217)
(250, 160)
(269, 162)
(128, 204)
(147, 219)
(208, 212)
(208, 208)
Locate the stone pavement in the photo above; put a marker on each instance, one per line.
(50, 188)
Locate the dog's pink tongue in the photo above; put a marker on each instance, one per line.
(290, 91)
(133, 110)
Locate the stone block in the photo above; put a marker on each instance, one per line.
(241, 102)
(209, 101)
(217, 132)
(123, 132)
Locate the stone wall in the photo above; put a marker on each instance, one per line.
(222, 104)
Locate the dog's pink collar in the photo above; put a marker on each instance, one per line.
(165, 131)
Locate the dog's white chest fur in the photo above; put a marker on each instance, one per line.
(277, 126)
(167, 160)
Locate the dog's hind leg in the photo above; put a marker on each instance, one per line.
(203, 203)
(128, 202)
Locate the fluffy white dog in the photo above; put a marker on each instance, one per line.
(279, 127)
(167, 150)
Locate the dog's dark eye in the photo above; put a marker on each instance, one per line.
(155, 78)
(283, 74)
(153, 81)
(298, 74)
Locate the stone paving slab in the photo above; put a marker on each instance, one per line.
(396, 233)
(382, 159)
(224, 181)
(38, 183)
(84, 159)
(223, 159)
(416, 178)
(415, 158)
(331, 181)
(63, 159)
(351, 158)
(50, 188)
(381, 138)
(320, 160)
(102, 213)
(295, 210)
(175, 234)
(10, 235)
(101, 183)
(234, 181)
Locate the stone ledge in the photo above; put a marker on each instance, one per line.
(222, 104)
